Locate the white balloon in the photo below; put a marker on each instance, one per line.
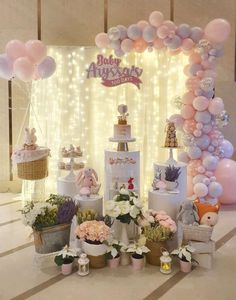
(114, 33)
(210, 162)
(215, 189)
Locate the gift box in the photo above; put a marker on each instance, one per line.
(204, 260)
(201, 247)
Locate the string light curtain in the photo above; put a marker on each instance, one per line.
(72, 109)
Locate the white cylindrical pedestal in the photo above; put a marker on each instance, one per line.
(66, 186)
(94, 202)
(170, 203)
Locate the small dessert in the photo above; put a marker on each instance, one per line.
(171, 139)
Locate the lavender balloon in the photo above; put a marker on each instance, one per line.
(47, 67)
(173, 43)
(203, 142)
(6, 67)
(196, 34)
(183, 31)
(194, 68)
(203, 117)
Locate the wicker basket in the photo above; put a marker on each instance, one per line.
(51, 239)
(33, 170)
(153, 257)
(197, 233)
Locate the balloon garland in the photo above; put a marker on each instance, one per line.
(202, 114)
(26, 61)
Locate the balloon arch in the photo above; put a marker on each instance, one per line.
(210, 169)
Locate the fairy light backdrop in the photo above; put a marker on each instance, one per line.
(73, 109)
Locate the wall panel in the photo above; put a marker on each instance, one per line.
(199, 13)
(127, 12)
(71, 22)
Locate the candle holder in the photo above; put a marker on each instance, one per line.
(165, 262)
(83, 263)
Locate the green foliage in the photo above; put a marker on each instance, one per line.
(46, 220)
(124, 218)
(86, 215)
(59, 260)
(157, 234)
(57, 200)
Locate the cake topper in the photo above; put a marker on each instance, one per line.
(123, 110)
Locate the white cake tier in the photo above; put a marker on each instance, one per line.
(67, 186)
(122, 131)
(94, 202)
(170, 203)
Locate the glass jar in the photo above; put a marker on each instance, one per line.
(83, 263)
(165, 263)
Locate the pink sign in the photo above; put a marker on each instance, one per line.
(112, 74)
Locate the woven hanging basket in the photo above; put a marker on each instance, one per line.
(33, 170)
(51, 239)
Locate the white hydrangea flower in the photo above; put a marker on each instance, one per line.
(124, 192)
(124, 207)
(134, 211)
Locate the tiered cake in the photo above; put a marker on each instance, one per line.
(171, 139)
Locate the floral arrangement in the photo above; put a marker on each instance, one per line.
(172, 173)
(138, 248)
(157, 226)
(65, 256)
(56, 210)
(114, 247)
(125, 206)
(93, 231)
(184, 253)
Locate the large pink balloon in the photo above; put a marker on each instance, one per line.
(36, 50)
(225, 175)
(200, 103)
(216, 106)
(140, 45)
(23, 68)
(15, 49)
(47, 67)
(156, 18)
(102, 40)
(217, 31)
(127, 45)
(187, 112)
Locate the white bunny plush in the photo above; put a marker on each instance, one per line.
(87, 181)
(30, 139)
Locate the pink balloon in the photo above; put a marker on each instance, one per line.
(217, 31)
(187, 112)
(142, 24)
(174, 52)
(15, 49)
(187, 70)
(36, 50)
(193, 166)
(192, 83)
(156, 18)
(187, 44)
(225, 175)
(200, 103)
(200, 189)
(171, 25)
(195, 58)
(102, 40)
(158, 44)
(127, 45)
(188, 98)
(189, 186)
(163, 31)
(140, 45)
(47, 67)
(210, 73)
(23, 68)
(216, 106)
(189, 126)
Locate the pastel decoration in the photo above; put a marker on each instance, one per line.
(203, 141)
(199, 179)
(47, 67)
(216, 106)
(183, 156)
(134, 32)
(115, 45)
(217, 30)
(142, 24)
(227, 148)
(196, 34)
(123, 31)
(194, 152)
(156, 18)
(15, 49)
(158, 43)
(127, 45)
(183, 31)
(210, 162)
(119, 52)
(188, 97)
(114, 33)
(187, 112)
(194, 68)
(140, 45)
(189, 186)
(200, 103)
(195, 58)
(203, 117)
(173, 43)
(149, 34)
(200, 190)
(215, 189)
(102, 40)
(6, 67)
(187, 44)
(23, 68)
(36, 50)
(171, 25)
(163, 31)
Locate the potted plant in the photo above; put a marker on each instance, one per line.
(50, 221)
(138, 249)
(113, 252)
(184, 253)
(171, 175)
(94, 233)
(125, 207)
(157, 227)
(65, 259)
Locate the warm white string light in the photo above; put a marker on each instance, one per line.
(73, 109)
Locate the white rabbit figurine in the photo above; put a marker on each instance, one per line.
(87, 182)
(30, 139)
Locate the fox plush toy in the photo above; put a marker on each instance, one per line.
(208, 214)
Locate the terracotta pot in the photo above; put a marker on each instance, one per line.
(97, 262)
(153, 257)
(185, 266)
(114, 262)
(137, 263)
(66, 269)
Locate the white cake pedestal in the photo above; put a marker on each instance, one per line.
(94, 202)
(66, 186)
(170, 203)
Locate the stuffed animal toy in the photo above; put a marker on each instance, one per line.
(188, 213)
(130, 183)
(208, 214)
(30, 139)
(87, 182)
